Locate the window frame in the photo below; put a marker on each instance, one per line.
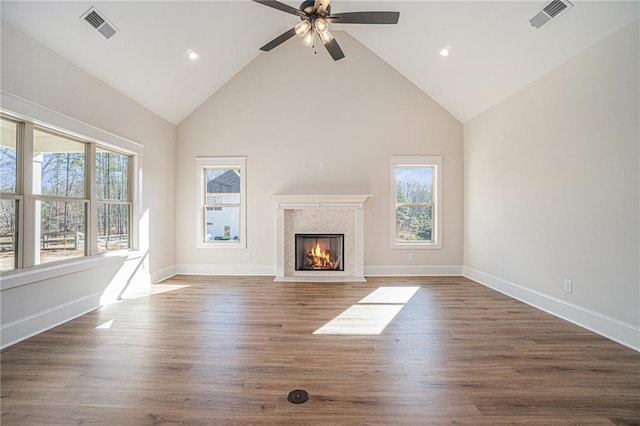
(85, 199)
(17, 197)
(422, 161)
(202, 164)
(107, 202)
(28, 241)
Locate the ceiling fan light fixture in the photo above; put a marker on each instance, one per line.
(325, 36)
(321, 25)
(309, 38)
(303, 28)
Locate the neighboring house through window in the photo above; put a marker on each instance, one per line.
(221, 202)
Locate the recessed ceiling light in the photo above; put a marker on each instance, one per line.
(445, 51)
(193, 55)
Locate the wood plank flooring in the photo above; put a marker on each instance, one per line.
(227, 350)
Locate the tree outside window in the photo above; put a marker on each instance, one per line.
(414, 203)
(73, 195)
(114, 205)
(61, 201)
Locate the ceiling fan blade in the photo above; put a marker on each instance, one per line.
(334, 50)
(279, 40)
(365, 18)
(281, 6)
(321, 5)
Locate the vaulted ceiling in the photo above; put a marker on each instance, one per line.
(494, 49)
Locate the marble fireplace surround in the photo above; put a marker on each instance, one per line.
(320, 214)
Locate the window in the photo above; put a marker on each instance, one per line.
(221, 202)
(62, 197)
(416, 206)
(9, 194)
(114, 205)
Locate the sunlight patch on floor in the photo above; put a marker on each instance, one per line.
(154, 289)
(361, 319)
(105, 326)
(372, 314)
(399, 295)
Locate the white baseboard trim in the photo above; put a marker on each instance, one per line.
(412, 271)
(204, 269)
(163, 274)
(268, 270)
(619, 331)
(29, 326)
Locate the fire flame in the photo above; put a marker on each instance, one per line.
(320, 258)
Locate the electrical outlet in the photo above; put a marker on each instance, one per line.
(369, 213)
(568, 286)
(412, 257)
(322, 165)
(247, 257)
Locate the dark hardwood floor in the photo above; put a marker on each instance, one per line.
(228, 350)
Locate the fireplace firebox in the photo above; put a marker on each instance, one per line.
(319, 252)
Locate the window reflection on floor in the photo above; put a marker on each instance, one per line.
(105, 325)
(154, 289)
(372, 314)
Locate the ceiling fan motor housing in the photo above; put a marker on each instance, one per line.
(308, 7)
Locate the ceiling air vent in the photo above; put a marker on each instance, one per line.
(549, 12)
(97, 21)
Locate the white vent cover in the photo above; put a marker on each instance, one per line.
(99, 22)
(549, 12)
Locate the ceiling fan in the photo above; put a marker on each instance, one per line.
(315, 16)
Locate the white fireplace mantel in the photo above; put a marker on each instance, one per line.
(313, 205)
(321, 201)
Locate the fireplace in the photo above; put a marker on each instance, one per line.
(323, 215)
(319, 252)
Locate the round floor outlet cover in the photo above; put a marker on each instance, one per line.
(298, 396)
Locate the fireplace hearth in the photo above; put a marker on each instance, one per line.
(319, 252)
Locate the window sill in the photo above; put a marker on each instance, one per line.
(416, 246)
(222, 245)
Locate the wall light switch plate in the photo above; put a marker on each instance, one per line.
(322, 165)
(568, 286)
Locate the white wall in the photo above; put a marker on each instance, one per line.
(291, 106)
(552, 190)
(35, 81)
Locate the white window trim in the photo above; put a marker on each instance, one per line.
(237, 162)
(417, 161)
(30, 115)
